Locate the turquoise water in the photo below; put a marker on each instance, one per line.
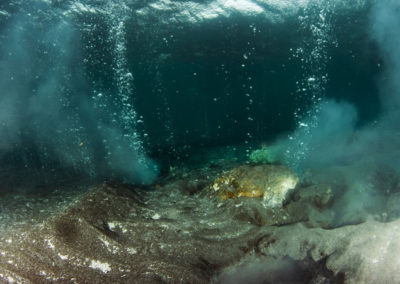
(211, 141)
(119, 89)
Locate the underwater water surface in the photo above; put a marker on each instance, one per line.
(226, 141)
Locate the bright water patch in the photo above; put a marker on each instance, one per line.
(193, 12)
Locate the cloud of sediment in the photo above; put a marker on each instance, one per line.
(47, 116)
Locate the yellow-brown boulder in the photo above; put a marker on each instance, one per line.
(269, 182)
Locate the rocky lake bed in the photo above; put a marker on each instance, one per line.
(222, 223)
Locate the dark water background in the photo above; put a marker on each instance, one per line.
(98, 93)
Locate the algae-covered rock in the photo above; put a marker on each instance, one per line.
(267, 154)
(270, 182)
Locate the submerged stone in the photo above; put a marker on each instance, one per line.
(270, 182)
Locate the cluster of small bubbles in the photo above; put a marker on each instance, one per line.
(168, 39)
(247, 85)
(118, 13)
(311, 87)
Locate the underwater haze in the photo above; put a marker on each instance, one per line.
(95, 88)
(208, 93)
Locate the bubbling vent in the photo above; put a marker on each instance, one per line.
(117, 17)
(52, 125)
(124, 150)
(311, 87)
